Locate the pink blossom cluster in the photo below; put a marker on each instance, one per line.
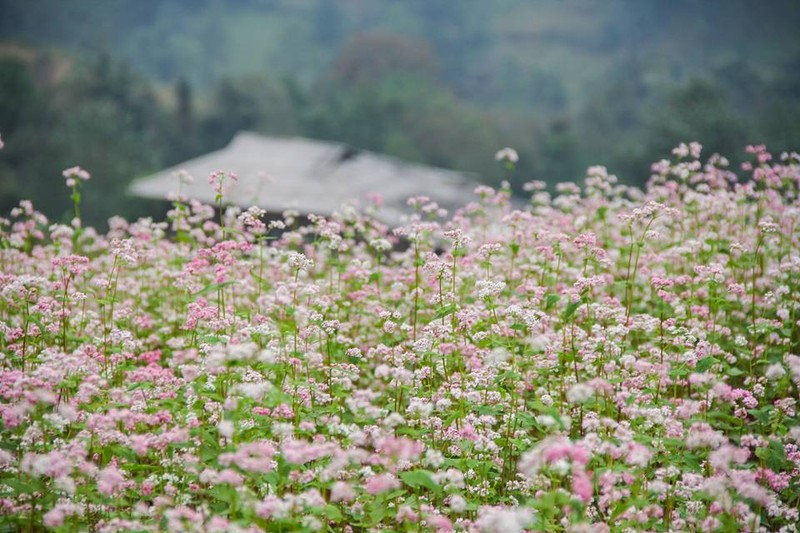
(606, 358)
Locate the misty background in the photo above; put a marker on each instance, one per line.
(124, 88)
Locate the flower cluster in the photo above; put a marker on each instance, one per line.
(71, 175)
(607, 359)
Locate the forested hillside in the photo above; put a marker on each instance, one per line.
(125, 87)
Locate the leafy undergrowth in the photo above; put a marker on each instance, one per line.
(608, 359)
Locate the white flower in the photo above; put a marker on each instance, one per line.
(457, 503)
(183, 176)
(545, 420)
(433, 458)
(299, 261)
(560, 467)
(498, 356)
(393, 420)
(487, 288)
(579, 393)
(75, 172)
(503, 519)
(507, 154)
(311, 522)
(775, 372)
(768, 226)
(225, 428)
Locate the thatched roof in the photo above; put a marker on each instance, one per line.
(313, 177)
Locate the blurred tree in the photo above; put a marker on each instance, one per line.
(181, 135)
(184, 106)
(609, 126)
(23, 110)
(779, 120)
(697, 111)
(17, 94)
(101, 117)
(328, 23)
(256, 103)
(369, 58)
(561, 160)
(453, 30)
(434, 81)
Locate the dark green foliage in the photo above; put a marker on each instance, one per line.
(446, 84)
(102, 117)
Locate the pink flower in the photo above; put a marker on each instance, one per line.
(283, 411)
(400, 449)
(109, 480)
(375, 198)
(342, 492)
(75, 265)
(301, 452)
(230, 477)
(582, 486)
(721, 458)
(54, 517)
(217, 181)
(407, 514)
(381, 483)
(253, 456)
(140, 444)
(439, 523)
(54, 464)
(71, 174)
(272, 506)
(638, 455)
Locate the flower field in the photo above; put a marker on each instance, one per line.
(605, 359)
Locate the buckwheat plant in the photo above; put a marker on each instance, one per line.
(221, 182)
(74, 177)
(605, 359)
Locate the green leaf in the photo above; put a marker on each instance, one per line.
(444, 311)
(761, 414)
(412, 432)
(22, 487)
(705, 363)
(734, 371)
(224, 493)
(214, 339)
(487, 410)
(551, 301)
(451, 417)
(572, 307)
(525, 420)
(333, 513)
(420, 478)
(776, 457)
(213, 287)
(620, 508)
(377, 514)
